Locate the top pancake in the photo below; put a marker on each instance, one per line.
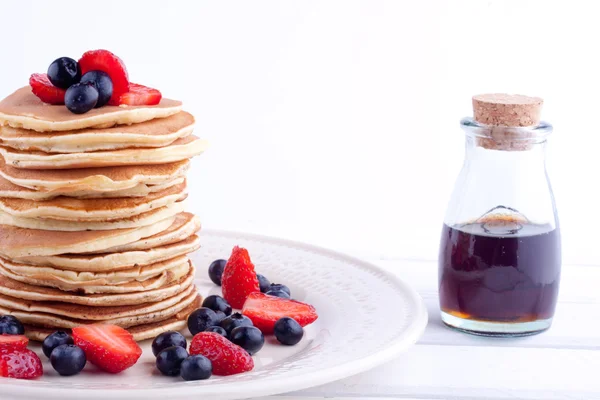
(23, 109)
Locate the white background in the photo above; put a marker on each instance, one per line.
(336, 122)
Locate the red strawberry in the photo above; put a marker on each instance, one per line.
(13, 342)
(104, 60)
(108, 347)
(140, 95)
(239, 278)
(265, 310)
(226, 358)
(45, 90)
(20, 364)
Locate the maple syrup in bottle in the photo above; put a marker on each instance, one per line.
(500, 250)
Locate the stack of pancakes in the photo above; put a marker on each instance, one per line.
(92, 221)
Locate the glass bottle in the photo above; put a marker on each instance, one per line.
(500, 251)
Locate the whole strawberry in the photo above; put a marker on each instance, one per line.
(239, 278)
(226, 358)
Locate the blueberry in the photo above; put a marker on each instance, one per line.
(288, 331)
(168, 339)
(102, 83)
(217, 329)
(220, 317)
(215, 271)
(81, 98)
(278, 293)
(54, 340)
(235, 320)
(217, 303)
(263, 282)
(64, 72)
(68, 359)
(169, 360)
(279, 286)
(195, 368)
(201, 319)
(248, 338)
(10, 325)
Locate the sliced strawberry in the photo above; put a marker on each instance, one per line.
(13, 342)
(20, 364)
(265, 310)
(108, 347)
(239, 278)
(226, 358)
(140, 95)
(104, 60)
(45, 90)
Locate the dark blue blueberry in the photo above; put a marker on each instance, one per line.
(215, 271)
(288, 331)
(102, 83)
(220, 317)
(54, 340)
(217, 303)
(201, 319)
(81, 98)
(64, 72)
(235, 320)
(279, 286)
(248, 338)
(217, 329)
(278, 293)
(169, 360)
(68, 359)
(10, 325)
(195, 368)
(263, 282)
(168, 339)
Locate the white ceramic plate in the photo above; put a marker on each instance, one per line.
(366, 317)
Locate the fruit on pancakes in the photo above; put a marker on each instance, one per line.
(140, 95)
(45, 90)
(105, 61)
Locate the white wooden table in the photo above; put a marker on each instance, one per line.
(562, 363)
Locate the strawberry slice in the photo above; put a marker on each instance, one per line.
(13, 342)
(265, 310)
(45, 90)
(20, 364)
(140, 95)
(104, 60)
(239, 278)
(109, 347)
(226, 358)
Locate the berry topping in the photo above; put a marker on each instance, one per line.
(239, 278)
(64, 72)
(108, 347)
(169, 360)
(279, 286)
(248, 338)
(220, 317)
(140, 95)
(201, 319)
(81, 98)
(195, 368)
(278, 293)
(288, 331)
(226, 358)
(45, 90)
(233, 321)
(265, 310)
(168, 339)
(102, 83)
(20, 364)
(217, 329)
(67, 359)
(54, 340)
(215, 271)
(10, 325)
(104, 60)
(12, 342)
(217, 303)
(263, 283)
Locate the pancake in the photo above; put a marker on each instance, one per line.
(136, 221)
(114, 261)
(24, 291)
(164, 278)
(155, 133)
(20, 242)
(179, 150)
(96, 180)
(23, 109)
